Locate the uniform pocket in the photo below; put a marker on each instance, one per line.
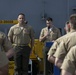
(17, 31)
(54, 36)
(26, 31)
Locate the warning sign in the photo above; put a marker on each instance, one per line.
(8, 21)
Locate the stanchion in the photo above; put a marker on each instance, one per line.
(30, 67)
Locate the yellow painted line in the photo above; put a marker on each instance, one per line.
(8, 21)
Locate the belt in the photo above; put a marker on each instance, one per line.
(20, 44)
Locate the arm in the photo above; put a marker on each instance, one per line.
(68, 66)
(60, 54)
(58, 62)
(32, 42)
(64, 72)
(7, 46)
(51, 59)
(43, 36)
(10, 53)
(51, 52)
(32, 35)
(10, 35)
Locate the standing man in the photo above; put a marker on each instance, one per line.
(55, 45)
(6, 51)
(21, 35)
(48, 34)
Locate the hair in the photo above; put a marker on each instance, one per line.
(49, 19)
(73, 21)
(21, 14)
(67, 22)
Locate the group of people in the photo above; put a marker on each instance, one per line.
(63, 51)
(20, 41)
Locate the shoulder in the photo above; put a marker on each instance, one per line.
(70, 37)
(72, 34)
(65, 38)
(45, 28)
(14, 26)
(60, 38)
(29, 27)
(2, 34)
(73, 48)
(55, 28)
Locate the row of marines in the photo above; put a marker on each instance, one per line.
(63, 51)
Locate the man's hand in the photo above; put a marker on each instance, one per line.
(10, 53)
(58, 62)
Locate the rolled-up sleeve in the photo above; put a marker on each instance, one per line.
(61, 51)
(69, 63)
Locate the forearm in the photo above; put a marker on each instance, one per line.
(10, 53)
(9, 38)
(51, 59)
(58, 62)
(64, 72)
(32, 43)
(42, 38)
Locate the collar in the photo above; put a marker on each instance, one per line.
(73, 30)
(22, 25)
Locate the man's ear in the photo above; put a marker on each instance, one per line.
(26, 22)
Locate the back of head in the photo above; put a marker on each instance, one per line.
(73, 21)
